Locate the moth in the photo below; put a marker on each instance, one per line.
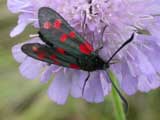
(66, 47)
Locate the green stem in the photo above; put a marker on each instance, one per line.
(118, 106)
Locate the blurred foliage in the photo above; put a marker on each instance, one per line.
(22, 99)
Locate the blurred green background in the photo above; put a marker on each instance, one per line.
(21, 99)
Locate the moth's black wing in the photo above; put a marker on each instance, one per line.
(55, 31)
(50, 55)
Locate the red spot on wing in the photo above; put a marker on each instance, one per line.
(53, 57)
(41, 55)
(86, 48)
(72, 34)
(56, 62)
(35, 49)
(57, 23)
(63, 37)
(60, 50)
(74, 66)
(47, 25)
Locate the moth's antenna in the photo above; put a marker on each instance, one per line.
(122, 46)
(119, 93)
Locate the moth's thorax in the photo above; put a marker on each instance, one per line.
(91, 63)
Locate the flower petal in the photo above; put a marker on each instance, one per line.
(93, 90)
(16, 6)
(143, 84)
(48, 72)
(24, 20)
(147, 83)
(154, 81)
(17, 53)
(144, 64)
(18, 29)
(106, 85)
(31, 68)
(128, 82)
(77, 83)
(59, 88)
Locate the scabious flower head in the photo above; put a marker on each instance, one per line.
(138, 63)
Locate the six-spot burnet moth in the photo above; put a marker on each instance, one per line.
(65, 47)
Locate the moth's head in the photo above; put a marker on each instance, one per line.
(106, 66)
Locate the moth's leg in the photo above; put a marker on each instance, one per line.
(85, 81)
(101, 39)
